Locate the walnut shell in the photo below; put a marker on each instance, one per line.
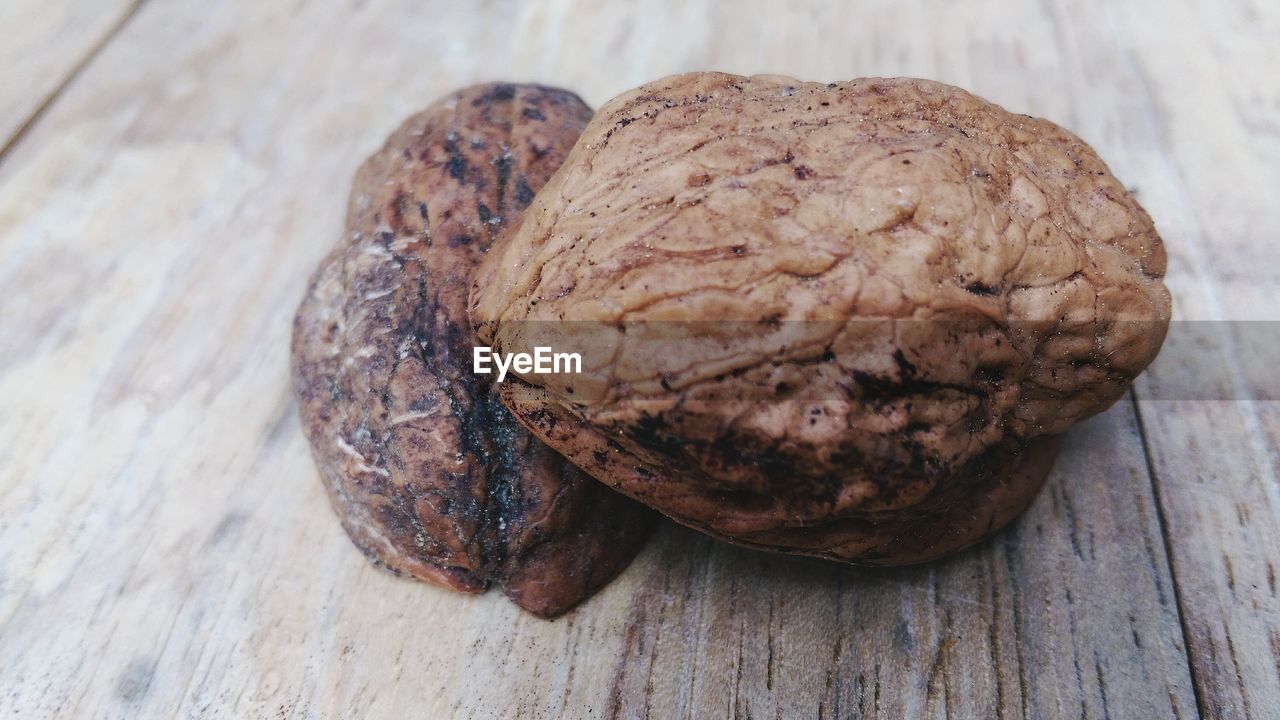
(846, 320)
(428, 471)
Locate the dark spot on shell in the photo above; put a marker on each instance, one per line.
(977, 421)
(503, 92)
(457, 164)
(978, 288)
(457, 167)
(524, 193)
(987, 374)
(651, 431)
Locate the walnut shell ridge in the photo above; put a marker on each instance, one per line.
(848, 320)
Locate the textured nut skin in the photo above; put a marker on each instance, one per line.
(917, 292)
(428, 471)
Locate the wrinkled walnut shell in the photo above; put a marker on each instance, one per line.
(428, 471)
(845, 320)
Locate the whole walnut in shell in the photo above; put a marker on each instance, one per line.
(430, 474)
(847, 320)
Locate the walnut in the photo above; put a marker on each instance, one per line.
(847, 320)
(428, 471)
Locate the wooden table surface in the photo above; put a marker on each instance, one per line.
(172, 171)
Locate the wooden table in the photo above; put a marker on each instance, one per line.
(172, 171)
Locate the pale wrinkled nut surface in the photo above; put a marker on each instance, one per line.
(846, 320)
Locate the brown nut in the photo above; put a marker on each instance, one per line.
(845, 320)
(428, 471)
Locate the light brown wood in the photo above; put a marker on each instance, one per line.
(166, 548)
(42, 45)
(1206, 165)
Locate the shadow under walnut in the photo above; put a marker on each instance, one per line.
(429, 473)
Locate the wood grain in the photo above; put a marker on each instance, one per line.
(42, 46)
(1207, 166)
(166, 548)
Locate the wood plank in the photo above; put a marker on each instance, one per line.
(1203, 143)
(167, 548)
(1028, 626)
(43, 44)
